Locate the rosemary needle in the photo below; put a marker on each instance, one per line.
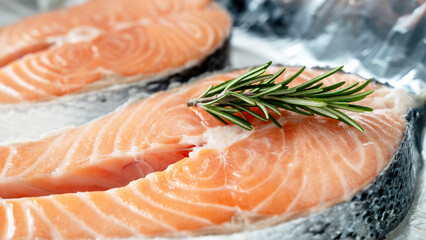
(253, 89)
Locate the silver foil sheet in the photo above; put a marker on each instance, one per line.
(381, 39)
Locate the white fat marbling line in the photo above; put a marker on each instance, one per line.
(355, 167)
(135, 210)
(12, 75)
(53, 230)
(30, 219)
(283, 182)
(30, 73)
(162, 206)
(10, 221)
(371, 142)
(333, 164)
(85, 198)
(373, 135)
(52, 146)
(10, 91)
(12, 153)
(119, 136)
(100, 135)
(133, 146)
(71, 216)
(67, 159)
(300, 159)
(324, 164)
(78, 34)
(218, 138)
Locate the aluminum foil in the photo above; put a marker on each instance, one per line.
(381, 39)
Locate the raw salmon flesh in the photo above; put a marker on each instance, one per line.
(159, 168)
(103, 42)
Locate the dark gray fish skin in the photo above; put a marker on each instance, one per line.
(31, 120)
(375, 211)
(371, 214)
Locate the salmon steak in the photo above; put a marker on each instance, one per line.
(157, 168)
(106, 42)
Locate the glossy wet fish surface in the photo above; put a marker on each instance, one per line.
(157, 168)
(105, 42)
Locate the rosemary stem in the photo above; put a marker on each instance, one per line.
(229, 100)
(198, 102)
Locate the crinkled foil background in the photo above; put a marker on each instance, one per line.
(381, 39)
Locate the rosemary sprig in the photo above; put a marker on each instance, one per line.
(253, 89)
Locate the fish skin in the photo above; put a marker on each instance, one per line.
(372, 213)
(78, 109)
(39, 31)
(252, 234)
(87, 57)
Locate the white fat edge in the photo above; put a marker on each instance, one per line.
(140, 22)
(108, 83)
(23, 140)
(109, 79)
(397, 99)
(11, 227)
(17, 47)
(56, 132)
(112, 78)
(86, 33)
(83, 33)
(218, 138)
